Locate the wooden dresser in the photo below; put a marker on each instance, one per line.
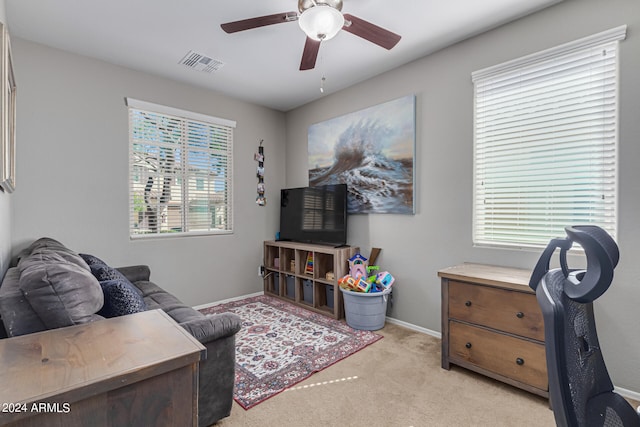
(492, 324)
(140, 369)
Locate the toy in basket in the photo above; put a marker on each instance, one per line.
(384, 279)
(357, 266)
(358, 281)
(365, 292)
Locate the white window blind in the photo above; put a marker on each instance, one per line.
(180, 172)
(545, 143)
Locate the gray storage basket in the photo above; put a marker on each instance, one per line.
(365, 311)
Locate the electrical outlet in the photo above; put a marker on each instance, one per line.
(261, 271)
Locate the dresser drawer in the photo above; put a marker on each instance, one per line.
(511, 357)
(502, 309)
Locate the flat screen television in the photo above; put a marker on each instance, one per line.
(314, 214)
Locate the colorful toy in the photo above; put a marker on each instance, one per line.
(348, 282)
(384, 279)
(360, 278)
(308, 269)
(362, 285)
(358, 266)
(372, 277)
(351, 283)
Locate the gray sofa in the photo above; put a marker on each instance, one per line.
(49, 286)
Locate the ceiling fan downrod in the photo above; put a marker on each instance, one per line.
(308, 4)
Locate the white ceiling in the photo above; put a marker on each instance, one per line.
(260, 65)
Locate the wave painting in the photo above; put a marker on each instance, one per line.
(372, 151)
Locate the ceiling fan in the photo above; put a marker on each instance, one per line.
(320, 20)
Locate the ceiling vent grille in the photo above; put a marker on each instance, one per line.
(201, 62)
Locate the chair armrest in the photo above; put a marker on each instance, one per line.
(213, 327)
(136, 273)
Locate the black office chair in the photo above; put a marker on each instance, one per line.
(580, 389)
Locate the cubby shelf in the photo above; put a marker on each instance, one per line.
(287, 276)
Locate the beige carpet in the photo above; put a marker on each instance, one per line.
(396, 381)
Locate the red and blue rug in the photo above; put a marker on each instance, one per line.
(281, 344)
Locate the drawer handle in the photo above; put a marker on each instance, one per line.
(519, 315)
(520, 361)
(468, 303)
(468, 345)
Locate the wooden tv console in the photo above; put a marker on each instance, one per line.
(492, 324)
(139, 369)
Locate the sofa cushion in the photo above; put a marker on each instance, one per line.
(46, 246)
(60, 291)
(120, 298)
(17, 314)
(157, 298)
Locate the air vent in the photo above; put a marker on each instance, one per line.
(201, 62)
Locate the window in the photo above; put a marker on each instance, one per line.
(545, 143)
(180, 167)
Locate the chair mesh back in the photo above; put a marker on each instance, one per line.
(580, 388)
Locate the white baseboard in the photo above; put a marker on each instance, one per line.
(413, 327)
(629, 394)
(211, 304)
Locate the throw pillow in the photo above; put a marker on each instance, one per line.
(120, 298)
(62, 293)
(103, 272)
(91, 259)
(46, 249)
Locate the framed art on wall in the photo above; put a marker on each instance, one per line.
(373, 152)
(7, 115)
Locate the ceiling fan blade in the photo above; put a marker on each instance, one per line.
(260, 21)
(370, 32)
(310, 54)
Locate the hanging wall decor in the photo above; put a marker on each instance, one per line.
(261, 200)
(7, 115)
(372, 151)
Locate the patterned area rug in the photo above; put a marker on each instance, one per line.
(281, 344)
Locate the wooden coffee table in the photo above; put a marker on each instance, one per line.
(140, 369)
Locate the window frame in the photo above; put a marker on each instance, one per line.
(482, 235)
(186, 121)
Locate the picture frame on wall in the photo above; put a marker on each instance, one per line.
(7, 115)
(373, 152)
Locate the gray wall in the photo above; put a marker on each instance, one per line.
(72, 172)
(439, 235)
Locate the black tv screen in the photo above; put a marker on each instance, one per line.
(314, 214)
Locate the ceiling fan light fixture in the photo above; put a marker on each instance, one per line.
(321, 22)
